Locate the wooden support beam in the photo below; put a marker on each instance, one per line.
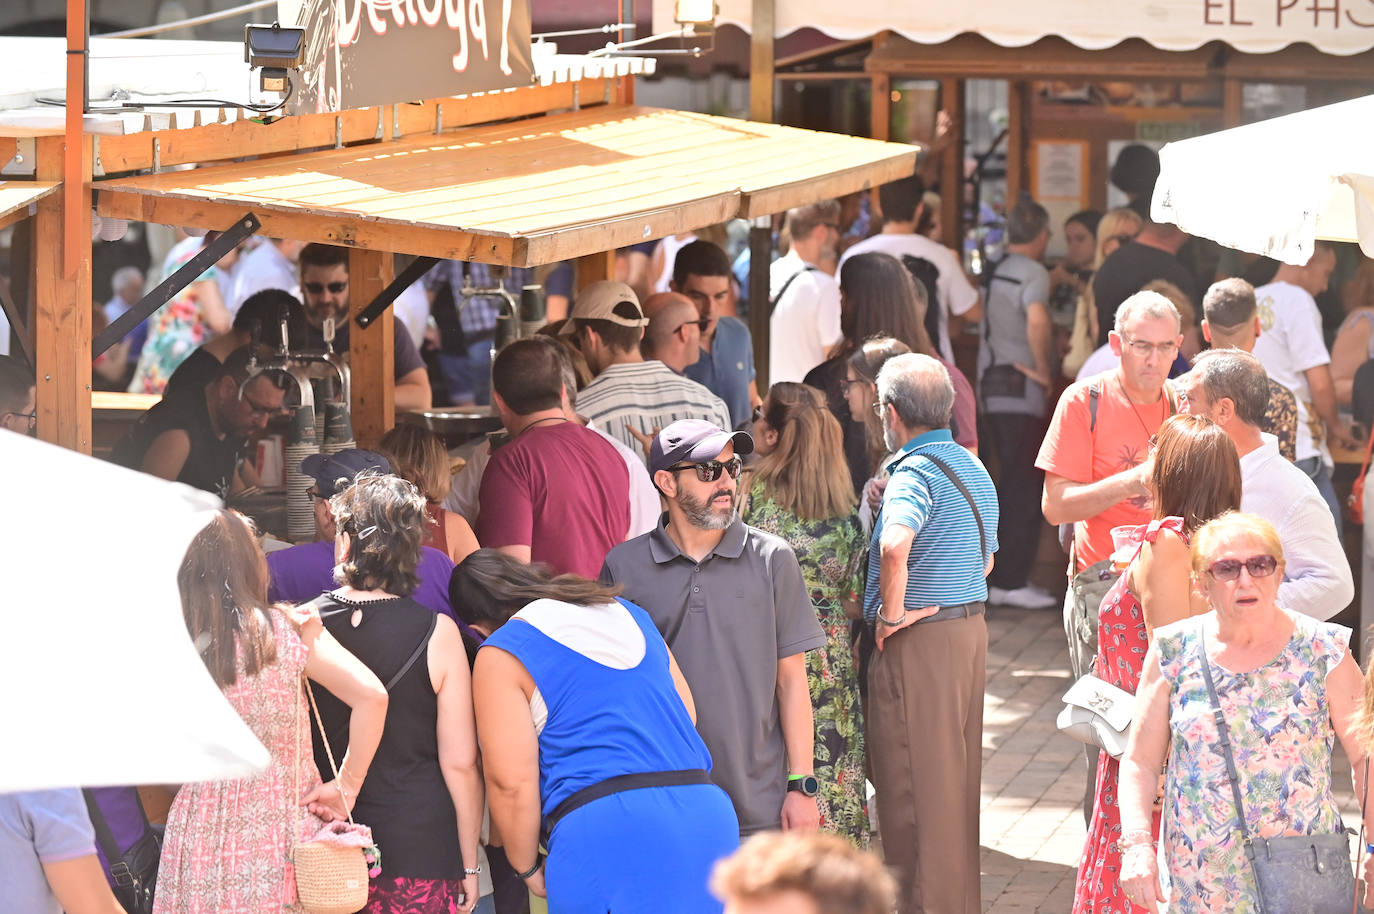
(594, 268)
(62, 319)
(761, 62)
(880, 123)
(1018, 140)
(371, 352)
(1232, 102)
(952, 168)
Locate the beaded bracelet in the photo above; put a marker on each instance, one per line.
(538, 862)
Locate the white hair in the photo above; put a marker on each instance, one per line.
(123, 275)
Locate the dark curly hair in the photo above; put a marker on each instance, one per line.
(384, 517)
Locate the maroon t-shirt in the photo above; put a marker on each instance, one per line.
(560, 489)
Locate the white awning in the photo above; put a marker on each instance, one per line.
(1256, 26)
(1275, 187)
(102, 684)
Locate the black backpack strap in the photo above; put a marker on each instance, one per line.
(773, 302)
(103, 836)
(1094, 394)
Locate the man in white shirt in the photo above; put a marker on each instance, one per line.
(805, 299)
(1293, 352)
(1231, 388)
(270, 265)
(901, 205)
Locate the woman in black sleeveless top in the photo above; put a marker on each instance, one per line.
(423, 795)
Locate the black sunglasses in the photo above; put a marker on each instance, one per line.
(317, 288)
(1259, 566)
(701, 325)
(710, 470)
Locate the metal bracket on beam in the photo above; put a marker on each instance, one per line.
(188, 273)
(17, 321)
(407, 277)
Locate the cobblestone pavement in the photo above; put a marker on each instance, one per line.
(1032, 822)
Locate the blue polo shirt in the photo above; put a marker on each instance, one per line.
(945, 567)
(728, 368)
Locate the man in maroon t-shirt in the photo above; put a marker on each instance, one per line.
(555, 492)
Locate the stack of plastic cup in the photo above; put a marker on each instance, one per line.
(300, 443)
(338, 428)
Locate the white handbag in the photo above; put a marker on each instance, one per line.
(1097, 713)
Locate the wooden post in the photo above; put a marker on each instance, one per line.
(62, 312)
(880, 123)
(952, 168)
(1018, 140)
(371, 352)
(1232, 102)
(594, 268)
(761, 63)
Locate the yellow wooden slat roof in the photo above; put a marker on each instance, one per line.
(17, 196)
(522, 193)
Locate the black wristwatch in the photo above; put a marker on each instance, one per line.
(804, 784)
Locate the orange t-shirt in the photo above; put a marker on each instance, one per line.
(1076, 450)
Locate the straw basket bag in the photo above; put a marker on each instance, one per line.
(329, 879)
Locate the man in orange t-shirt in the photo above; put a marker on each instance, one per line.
(1096, 454)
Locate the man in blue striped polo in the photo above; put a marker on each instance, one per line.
(931, 551)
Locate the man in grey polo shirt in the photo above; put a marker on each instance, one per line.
(731, 603)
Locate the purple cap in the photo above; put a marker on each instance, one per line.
(330, 469)
(694, 440)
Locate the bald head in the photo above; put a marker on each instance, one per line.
(674, 333)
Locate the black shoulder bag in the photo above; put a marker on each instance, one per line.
(135, 872)
(997, 380)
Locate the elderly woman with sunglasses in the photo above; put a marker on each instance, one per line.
(1284, 684)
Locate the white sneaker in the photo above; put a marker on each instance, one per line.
(1027, 597)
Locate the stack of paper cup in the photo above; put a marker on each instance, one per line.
(338, 428)
(300, 443)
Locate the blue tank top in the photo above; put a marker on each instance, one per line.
(603, 722)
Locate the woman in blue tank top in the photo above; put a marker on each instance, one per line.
(587, 733)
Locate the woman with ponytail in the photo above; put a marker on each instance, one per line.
(587, 732)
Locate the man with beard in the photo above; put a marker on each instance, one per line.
(324, 292)
(731, 603)
(925, 592)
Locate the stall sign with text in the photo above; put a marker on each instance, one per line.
(361, 53)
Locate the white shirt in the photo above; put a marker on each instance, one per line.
(649, 396)
(645, 506)
(957, 295)
(1102, 359)
(1291, 343)
(411, 309)
(806, 320)
(264, 267)
(1316, 578)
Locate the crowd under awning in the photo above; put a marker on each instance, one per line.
(523, 193)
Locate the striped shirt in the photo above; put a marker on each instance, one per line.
(945, 566)
(646, 396)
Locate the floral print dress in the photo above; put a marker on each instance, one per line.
(174, 330)
(227, 844)
(1282, 740)
(833, 556)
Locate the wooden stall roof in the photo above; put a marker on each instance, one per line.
(17, 196)
(523, 193)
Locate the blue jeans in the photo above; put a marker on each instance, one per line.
(1320, 474)
(486, 906)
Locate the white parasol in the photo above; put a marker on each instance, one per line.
(101, 683)
(1276, 186)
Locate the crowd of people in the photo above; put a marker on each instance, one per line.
(665, 611)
